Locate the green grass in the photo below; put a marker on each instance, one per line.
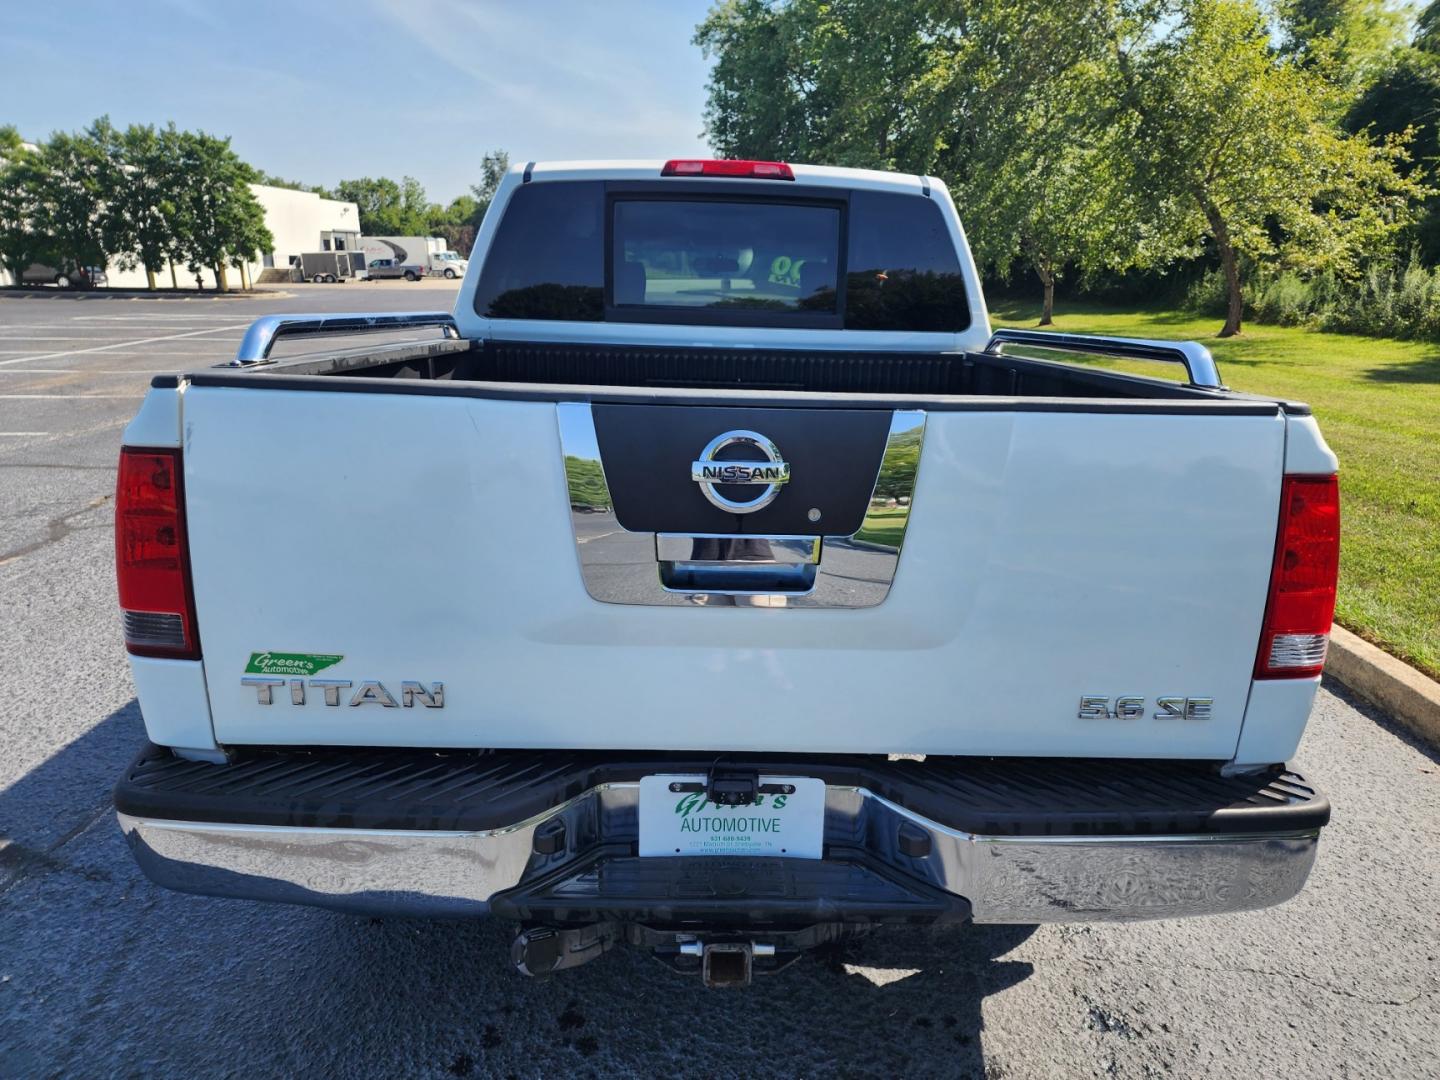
(1377, 401)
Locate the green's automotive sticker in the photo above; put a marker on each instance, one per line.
(290, 663)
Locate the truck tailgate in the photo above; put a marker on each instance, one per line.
(1054, 551)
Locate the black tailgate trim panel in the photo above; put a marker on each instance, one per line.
(646, 451)
(471, 790)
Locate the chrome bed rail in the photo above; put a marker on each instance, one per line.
(1200, 369)
(262, 334)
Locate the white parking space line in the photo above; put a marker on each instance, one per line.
(123, 344)
(97, 333)
(225, 338)
(70, 397)
(93, 332)
(174, 359)
(83, 371)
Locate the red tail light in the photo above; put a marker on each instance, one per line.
(749, 170)
(152, 556)
(1302, 582)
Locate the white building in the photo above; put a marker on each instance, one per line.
(299, 221)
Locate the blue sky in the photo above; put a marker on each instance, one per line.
(319, 92)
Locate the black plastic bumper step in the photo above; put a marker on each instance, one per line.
(728, 891)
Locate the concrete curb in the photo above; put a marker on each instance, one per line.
(1410, 697)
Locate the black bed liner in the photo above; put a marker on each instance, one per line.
(480, 790)
(822, 378)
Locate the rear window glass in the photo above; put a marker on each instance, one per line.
(680, 253)
(548, 258)
(727, 260)
(902, 272)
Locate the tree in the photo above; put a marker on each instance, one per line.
(387, 208)
(1056, 205)
(1236, 144)
(453, 222)
(146, 202)
(1351, 38)
(493, 167)
(1405, 97)
(219, 221)
(1039, 166)
(1007, 100)
(1427, 28)
(800, 80)
(271, 180)
(20, 243)
(73, 181)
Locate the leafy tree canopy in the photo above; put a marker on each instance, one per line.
(1351, 39)
(1237, 144)
(1107, 134)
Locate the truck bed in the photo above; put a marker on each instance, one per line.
(868, 379)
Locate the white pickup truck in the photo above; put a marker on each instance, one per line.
(713, 580)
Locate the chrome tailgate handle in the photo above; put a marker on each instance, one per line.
(731, 549)
(737, 563)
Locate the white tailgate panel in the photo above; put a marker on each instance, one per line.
(1050, 555)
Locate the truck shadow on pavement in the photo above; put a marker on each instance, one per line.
(899, 1002)
(53, 803)
(299, 991)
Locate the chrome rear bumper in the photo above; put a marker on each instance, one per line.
(1005, 879)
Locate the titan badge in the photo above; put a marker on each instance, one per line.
(1132, 707)
(773, 472)
(370, 692)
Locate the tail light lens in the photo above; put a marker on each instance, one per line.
(1302, 582)
(152, 556)
(741, 170)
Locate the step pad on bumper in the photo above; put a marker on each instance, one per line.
(483, 790)
(724, 892)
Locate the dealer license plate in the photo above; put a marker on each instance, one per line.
(791, 825)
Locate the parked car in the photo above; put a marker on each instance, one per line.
(82, 277)
(391, 268)
(724, 587)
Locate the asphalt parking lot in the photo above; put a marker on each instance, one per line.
(103, 974)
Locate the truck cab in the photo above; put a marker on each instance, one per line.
(448, 264)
